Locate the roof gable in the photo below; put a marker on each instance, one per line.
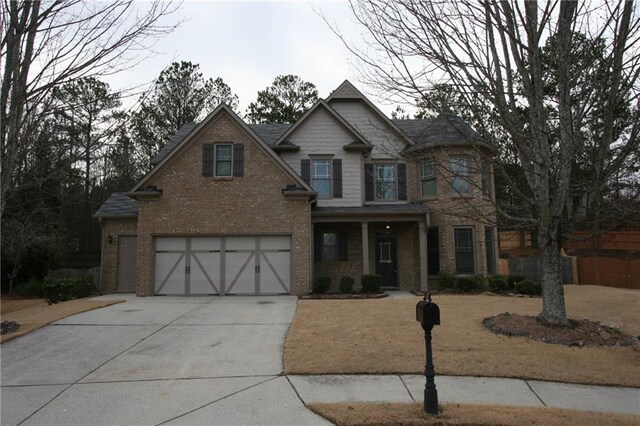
(347, 91)
(221, 109)
(337, 117)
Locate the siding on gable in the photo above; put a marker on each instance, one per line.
(386, 143)
(321, 134)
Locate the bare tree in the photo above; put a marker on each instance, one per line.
(47, 43)
(493, 51)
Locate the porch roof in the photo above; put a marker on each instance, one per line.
(370, 213)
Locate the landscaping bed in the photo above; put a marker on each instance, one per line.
(348, 414)
(383, 337)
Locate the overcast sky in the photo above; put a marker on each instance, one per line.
(249, 43)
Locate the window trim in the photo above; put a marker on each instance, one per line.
(215, 160)
(464, 177)
(329, 159)
(473, 250)
(424, 179)
(376, 164)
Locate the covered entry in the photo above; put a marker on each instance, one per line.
(222, 265)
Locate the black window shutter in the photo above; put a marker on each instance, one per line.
(317, 246)
(238, 160)
(305, 171)
(207, 159)
(368, 182)
(337, 178)
(343, 246)
(402, 181)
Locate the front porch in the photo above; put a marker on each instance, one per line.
(389, 241)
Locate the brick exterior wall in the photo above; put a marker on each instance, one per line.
(115, 228)
(449, 210)
(192, 205)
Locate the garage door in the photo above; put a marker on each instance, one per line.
(223, 265)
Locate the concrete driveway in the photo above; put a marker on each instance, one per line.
(158, 360)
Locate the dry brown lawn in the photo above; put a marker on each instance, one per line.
(464, 414)
(382, 336)
(33, 314)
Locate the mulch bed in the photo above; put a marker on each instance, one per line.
(344, 296)
(577, 333)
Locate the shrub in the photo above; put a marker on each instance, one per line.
(346, 284)
(472, 284)
(58, 288)
(498, 284)
(321, 284)
(512, 279)
(531, 288)
(446, 281)
(33, 288)
(371, 283)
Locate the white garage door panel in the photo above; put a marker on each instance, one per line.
(206, 243)
(205, 273)
(169, 273)
(220, 265)
(171, 244)
(274, 272)
(240, 273)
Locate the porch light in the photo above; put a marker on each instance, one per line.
(110, 239)
(388, 227)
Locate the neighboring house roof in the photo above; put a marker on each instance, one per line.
(348, 91)
(271, 132)
(173, 142)
(118, 205)
(259, 142)
(333, 113)
(446, 129)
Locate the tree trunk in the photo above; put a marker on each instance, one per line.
(553, 307)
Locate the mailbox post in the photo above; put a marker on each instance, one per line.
(428, 315)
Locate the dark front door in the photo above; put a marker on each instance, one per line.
(386, 261)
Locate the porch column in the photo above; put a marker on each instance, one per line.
(422, 238)
(365, 248)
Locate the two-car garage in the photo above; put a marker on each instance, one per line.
(222, 265)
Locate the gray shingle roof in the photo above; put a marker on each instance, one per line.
(118, 205)
(373, 209)
(443, 130)
(270, 133)
(173, 142)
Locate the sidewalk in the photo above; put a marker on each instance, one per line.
(468, 390)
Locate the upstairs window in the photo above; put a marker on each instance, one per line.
(386, 182)
(486, 178)
(460, 170)
(223, 159)
(321, 177)
(428, 178)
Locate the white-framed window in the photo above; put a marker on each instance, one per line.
(386, 182)
(384, 250)
(321, 177)
(486, 178)
(460, 170)
(329, 246)
(428, 182)
(464, 250)
(223, 160)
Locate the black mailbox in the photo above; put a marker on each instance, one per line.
(427, 313)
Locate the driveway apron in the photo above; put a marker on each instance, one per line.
(156, 360)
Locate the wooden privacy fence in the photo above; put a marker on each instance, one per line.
(531, 269)
(611, 259)
(609, 271)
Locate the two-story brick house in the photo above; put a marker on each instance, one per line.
(231, 208)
